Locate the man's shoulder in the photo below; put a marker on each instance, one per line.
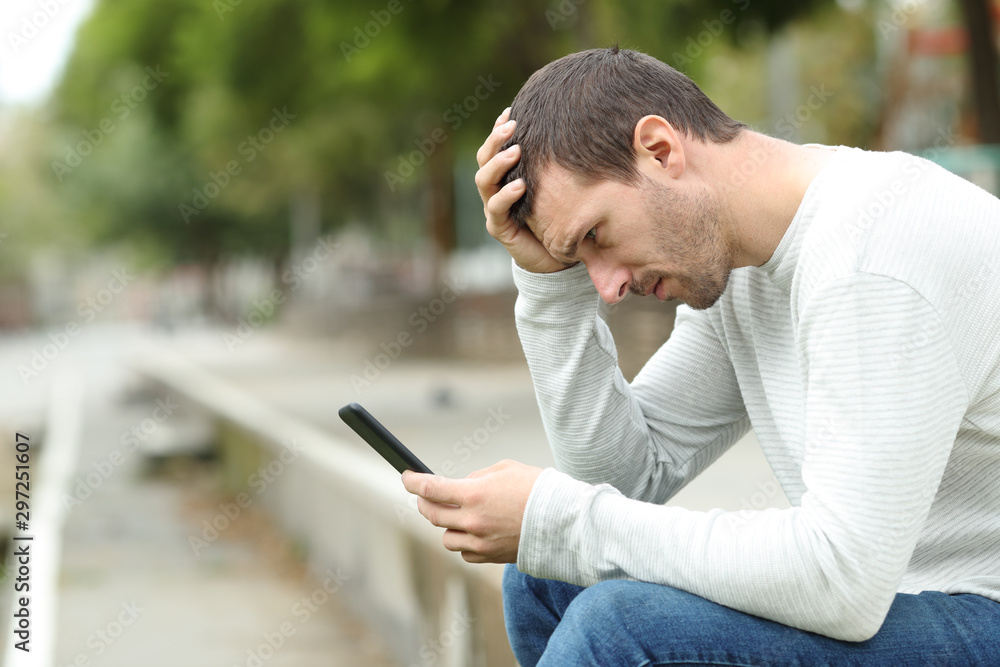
(899, 216)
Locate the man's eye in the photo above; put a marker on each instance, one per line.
(592, 234)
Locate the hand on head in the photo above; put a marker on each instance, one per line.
(522, 245)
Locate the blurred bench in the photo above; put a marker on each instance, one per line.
(351, 517)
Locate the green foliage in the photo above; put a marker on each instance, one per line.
(370, 97)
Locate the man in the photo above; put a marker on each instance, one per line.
(844, 304)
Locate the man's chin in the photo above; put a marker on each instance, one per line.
(704, 296)
(703, 304)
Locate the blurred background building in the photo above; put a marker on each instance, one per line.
(220, 220)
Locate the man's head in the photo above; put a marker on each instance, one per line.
(580, 113)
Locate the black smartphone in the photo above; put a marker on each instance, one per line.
(378, 436)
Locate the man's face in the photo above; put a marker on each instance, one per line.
(650, 239)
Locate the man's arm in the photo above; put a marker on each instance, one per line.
(685, 409)
(881, 417)
(882, 410)
(647, 439)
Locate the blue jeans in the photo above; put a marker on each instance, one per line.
(635, 624)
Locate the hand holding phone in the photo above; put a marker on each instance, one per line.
(383, 442)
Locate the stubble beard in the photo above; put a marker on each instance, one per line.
(690, 231)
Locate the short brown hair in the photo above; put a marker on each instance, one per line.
(580, 112)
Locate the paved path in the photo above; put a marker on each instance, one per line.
(132, 589)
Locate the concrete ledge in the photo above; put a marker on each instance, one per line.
(42, 541)
(356, 524)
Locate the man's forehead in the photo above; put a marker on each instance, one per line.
(558, 193)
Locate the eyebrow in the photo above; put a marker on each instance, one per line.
(566, 252)
(569, 251)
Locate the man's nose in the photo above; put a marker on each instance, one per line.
(611, 282)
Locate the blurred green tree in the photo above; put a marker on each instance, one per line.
(197, 127)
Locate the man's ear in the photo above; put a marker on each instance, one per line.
(658, 146)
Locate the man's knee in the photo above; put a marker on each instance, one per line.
(596, 629)
(601, 606)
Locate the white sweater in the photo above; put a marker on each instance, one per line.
(866, 356)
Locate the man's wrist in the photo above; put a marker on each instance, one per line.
(571, 279)
(555, 270)
(552, 508)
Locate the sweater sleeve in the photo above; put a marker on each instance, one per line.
(646, 439)
(884, 402)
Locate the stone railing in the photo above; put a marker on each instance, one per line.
(358, 528)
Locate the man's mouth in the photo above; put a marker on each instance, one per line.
(657, 287)
(652, 288)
